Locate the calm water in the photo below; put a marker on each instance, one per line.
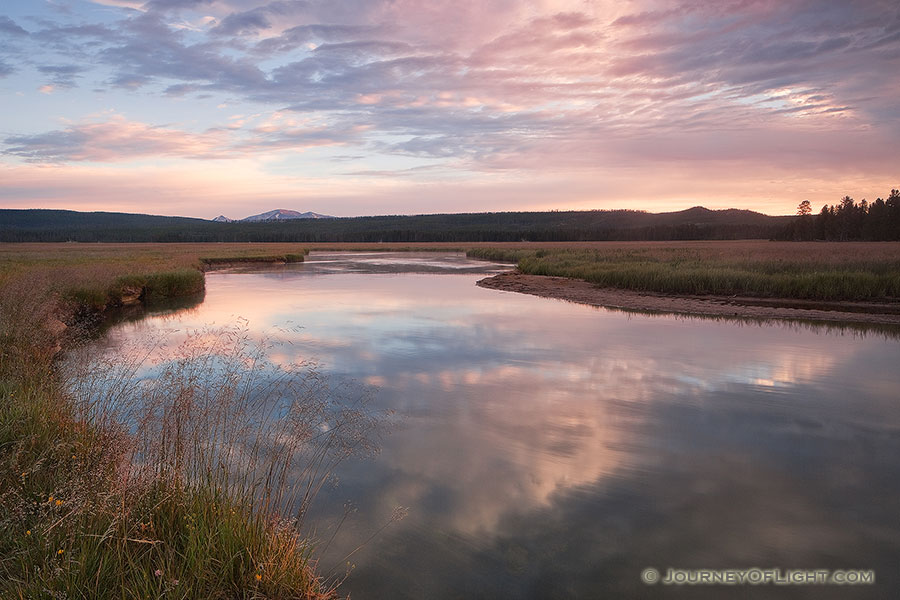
(552, 450)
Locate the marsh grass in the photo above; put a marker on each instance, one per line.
(824, 272)
(141, 475)
(166, 284)
(96, 296)
(182, 473)
(289, 257)
(93, 276)
(27, 339)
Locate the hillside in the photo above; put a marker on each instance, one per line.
(694, 223)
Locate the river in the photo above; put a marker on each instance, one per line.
(545, 449)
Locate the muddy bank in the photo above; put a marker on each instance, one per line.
(716, 306)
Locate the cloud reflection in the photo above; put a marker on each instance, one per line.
(553, 446)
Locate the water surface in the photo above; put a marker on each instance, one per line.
(553, 450)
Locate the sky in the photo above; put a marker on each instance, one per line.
(364, 107)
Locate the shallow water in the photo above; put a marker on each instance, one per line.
(553, 450)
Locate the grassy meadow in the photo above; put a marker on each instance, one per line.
(785, 270)
(94, 276)
(90, 507)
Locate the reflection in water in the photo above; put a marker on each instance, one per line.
(851, 328)
(552, 450)
(161, 309)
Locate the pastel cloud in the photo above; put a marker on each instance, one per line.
(110, 140)
(440, 91)
(62, 75)
(113, 138)
(10, 27)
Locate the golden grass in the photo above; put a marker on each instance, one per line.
(109, 488)
(814, 271)
(116, 488)
(73, 265)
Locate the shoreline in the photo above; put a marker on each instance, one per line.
(39, 412)
(583, 292)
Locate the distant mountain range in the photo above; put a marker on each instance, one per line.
(698, 223)
(279, 214)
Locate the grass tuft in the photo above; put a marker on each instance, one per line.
(185, 474)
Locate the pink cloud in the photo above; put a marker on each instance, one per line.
(113, 138)
(554, 97)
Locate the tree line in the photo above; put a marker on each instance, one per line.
(557, 226)
(847, 220)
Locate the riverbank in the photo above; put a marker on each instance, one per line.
(583, 292)
(86, 504)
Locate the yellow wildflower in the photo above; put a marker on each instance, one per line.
(58, 502)
(60, 551)
(258, 577)
(28, 532)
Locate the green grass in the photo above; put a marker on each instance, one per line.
(92, 277)
(288, 257)
(101, 500)
(92, 507)
(152, 286)
(709, 271)
(94, 268)
(71, 527)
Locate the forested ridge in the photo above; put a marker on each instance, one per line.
(846, 220)
(696, 223)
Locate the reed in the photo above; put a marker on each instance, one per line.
(843, 276)
(289, 257)
(146, 474)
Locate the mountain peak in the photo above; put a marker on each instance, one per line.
(283, 214)
(223, 219)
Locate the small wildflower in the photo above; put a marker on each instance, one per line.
(58, 502)
(28, 532)
(60, 551)
(158, 572)
(258, 577)
(174, 582)
(50, 499)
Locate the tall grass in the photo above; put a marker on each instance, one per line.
(704, 271)
(91, 277)
(184, 473)
(148, 475)
(289, 257)
(125, 288)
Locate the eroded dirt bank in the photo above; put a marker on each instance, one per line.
(716, 306)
